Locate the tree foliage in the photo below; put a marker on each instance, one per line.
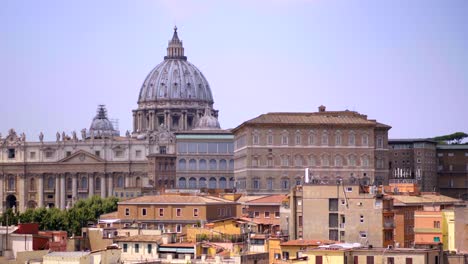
(455, 138)
(71, 220)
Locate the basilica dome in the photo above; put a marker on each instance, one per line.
(175, 79)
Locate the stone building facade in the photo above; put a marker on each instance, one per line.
(174, 97)
(452, 170)
(273, 151)
(414, 159)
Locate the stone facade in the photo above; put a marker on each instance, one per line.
(452, 170)
(414, 159)
(98, 161)
(273, 151)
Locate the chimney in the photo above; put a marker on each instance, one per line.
(321, 108)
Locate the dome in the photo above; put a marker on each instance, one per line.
(175, 79)
(101, 125)
(207, 122)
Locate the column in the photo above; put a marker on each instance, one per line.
(90, 185)
(74, 187)
(135, 123)
(110, 184)
(103, 185)
(1, 193)
(40, 190)
(63, 203)
(126, 180)
(57, 190)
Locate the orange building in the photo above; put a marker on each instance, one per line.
(427, 227)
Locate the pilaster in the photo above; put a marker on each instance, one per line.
(90, 185)
(40, 190)
(62, 192)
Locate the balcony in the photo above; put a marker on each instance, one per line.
(389, 225)
(342, 225)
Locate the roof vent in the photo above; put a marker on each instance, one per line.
(322, 108)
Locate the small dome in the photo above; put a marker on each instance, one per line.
(207, 122)
(101, 125)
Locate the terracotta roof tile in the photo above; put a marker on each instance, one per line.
(302, 242)
(271, 199)
(112, 215)
(176, 199)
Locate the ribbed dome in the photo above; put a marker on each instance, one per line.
(175, 78)
(101, 125)
(207, 122)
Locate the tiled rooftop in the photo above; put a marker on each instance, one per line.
(271, 199)
(176, 199)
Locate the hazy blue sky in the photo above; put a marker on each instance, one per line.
(404, 63)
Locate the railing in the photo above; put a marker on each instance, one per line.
(223, 238)
(389, 225)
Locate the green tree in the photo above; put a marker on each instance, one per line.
(455, 138)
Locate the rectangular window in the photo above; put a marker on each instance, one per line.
(125, 248)
(119, 153)
(390, 260)
(68, 153)
(11, 153)
(161, 227)
(356, 260)
(178, 228)
(137, 248)
(161, 212)
(32, 155)
(299, 220)
(178, 212)
(349, 189)
(97, 153)
(450, 154)
(436, 224)
(127, 211)
(150, 248)
(257, 214)
(370, 259)
(267, 214)
(195, 212)
(48, 154)
(143, 211)
(277, 214)
(333, 220)
(182, 147)
(409, 261)
(138, 153)
(332, 204)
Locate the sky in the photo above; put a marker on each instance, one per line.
(403, 63)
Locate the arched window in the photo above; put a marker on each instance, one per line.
(338, 161)
(222, 164)
(270, 137)
(202, 164)
(352, 160)
(255, 138)
(351, 139)
(192, 183)
(312, 161)
(270, 184)
(182, 183)
(379, 142)
(298, 161)
(212, 183)
(255, 162)
(365, 161)
(182, 164)
(338, 138)
(231, 182)
(298, 138)
(311, 137)
(192, 164)
(32, 184)
(50, 183)
(285, 184)
(98, 183)
(213, 164)
(120, 182)
(84, 183)
(231, 164)
(325, 138)
(284, 138)
(365, 140)
(138, 182)
(202, 182)
(284, 160)
(222, 183)
(325, 161)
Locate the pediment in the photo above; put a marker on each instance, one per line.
(81, 156)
